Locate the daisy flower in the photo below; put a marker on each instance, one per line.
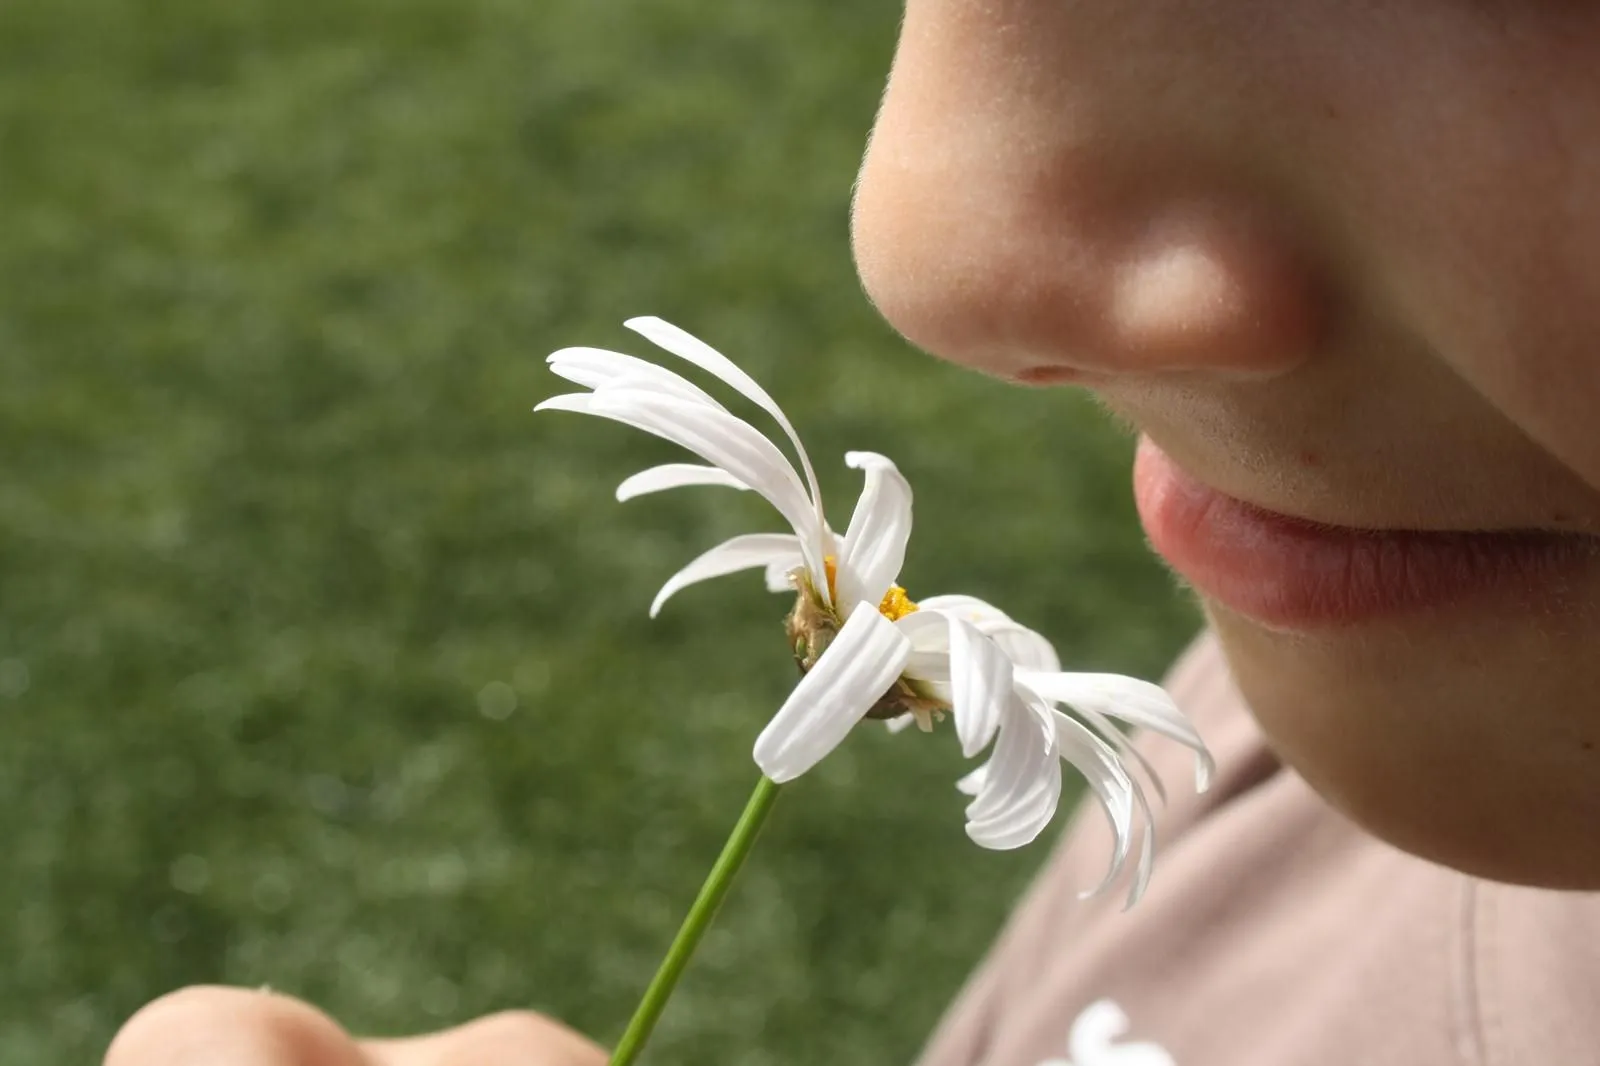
(863, 647)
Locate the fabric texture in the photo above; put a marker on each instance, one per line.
(1275, 933)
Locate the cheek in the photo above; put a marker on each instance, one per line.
(1532, 352)
(1467, 743)
(1462, 191)
(1508, 299)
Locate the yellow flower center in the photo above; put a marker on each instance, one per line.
(894, 606)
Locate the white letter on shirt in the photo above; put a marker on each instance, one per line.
(1090, 1043)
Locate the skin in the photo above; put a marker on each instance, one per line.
(204, 1026)
(1337, 258)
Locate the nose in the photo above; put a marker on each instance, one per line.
(1035, 212)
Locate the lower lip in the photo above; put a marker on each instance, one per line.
(1297, 575)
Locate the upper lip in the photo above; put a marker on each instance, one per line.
(1220, 478)
(1333, 445)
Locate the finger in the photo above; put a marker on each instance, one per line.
(512, 1038)
(210, 1026)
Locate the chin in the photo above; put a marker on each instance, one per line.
(1472, 742)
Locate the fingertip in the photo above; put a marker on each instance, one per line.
(210, 1024)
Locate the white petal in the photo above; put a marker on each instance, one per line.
(980, 680)
(968, 608)
(778, 572)
(578, 402)
(929, 633)
(1136, 702)
(1028, 810)
(874, 547)
(676, 476)
(972, 783)
(1022, 822)
(938, 691)
(596, 368)
(1022, 785)
(864, 659)
(1112, 786)
(740, 553)
(719, 438)
(1119, 742)
(900, 723)
(687, 346)
(1014, 762)
(1002, 776)
(1027, 648)
(1147, 851)
(929, 666)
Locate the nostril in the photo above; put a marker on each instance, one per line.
(1052, 374)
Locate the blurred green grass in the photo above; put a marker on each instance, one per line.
(324, 663)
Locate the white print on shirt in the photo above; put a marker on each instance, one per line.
(1090, 1042)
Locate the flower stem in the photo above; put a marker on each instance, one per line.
(734, 852)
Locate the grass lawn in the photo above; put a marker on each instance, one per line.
(324, 663)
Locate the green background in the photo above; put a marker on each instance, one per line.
(324, 663)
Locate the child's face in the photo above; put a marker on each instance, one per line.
(1340, 260)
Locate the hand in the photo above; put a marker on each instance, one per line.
(209, 1026)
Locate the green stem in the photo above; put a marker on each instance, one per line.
(734, 852)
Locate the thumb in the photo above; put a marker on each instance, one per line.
(512, 1038)
(213, 1026)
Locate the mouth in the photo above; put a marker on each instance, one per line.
(1289, 573)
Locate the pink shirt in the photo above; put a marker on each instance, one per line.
(1275, 933)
